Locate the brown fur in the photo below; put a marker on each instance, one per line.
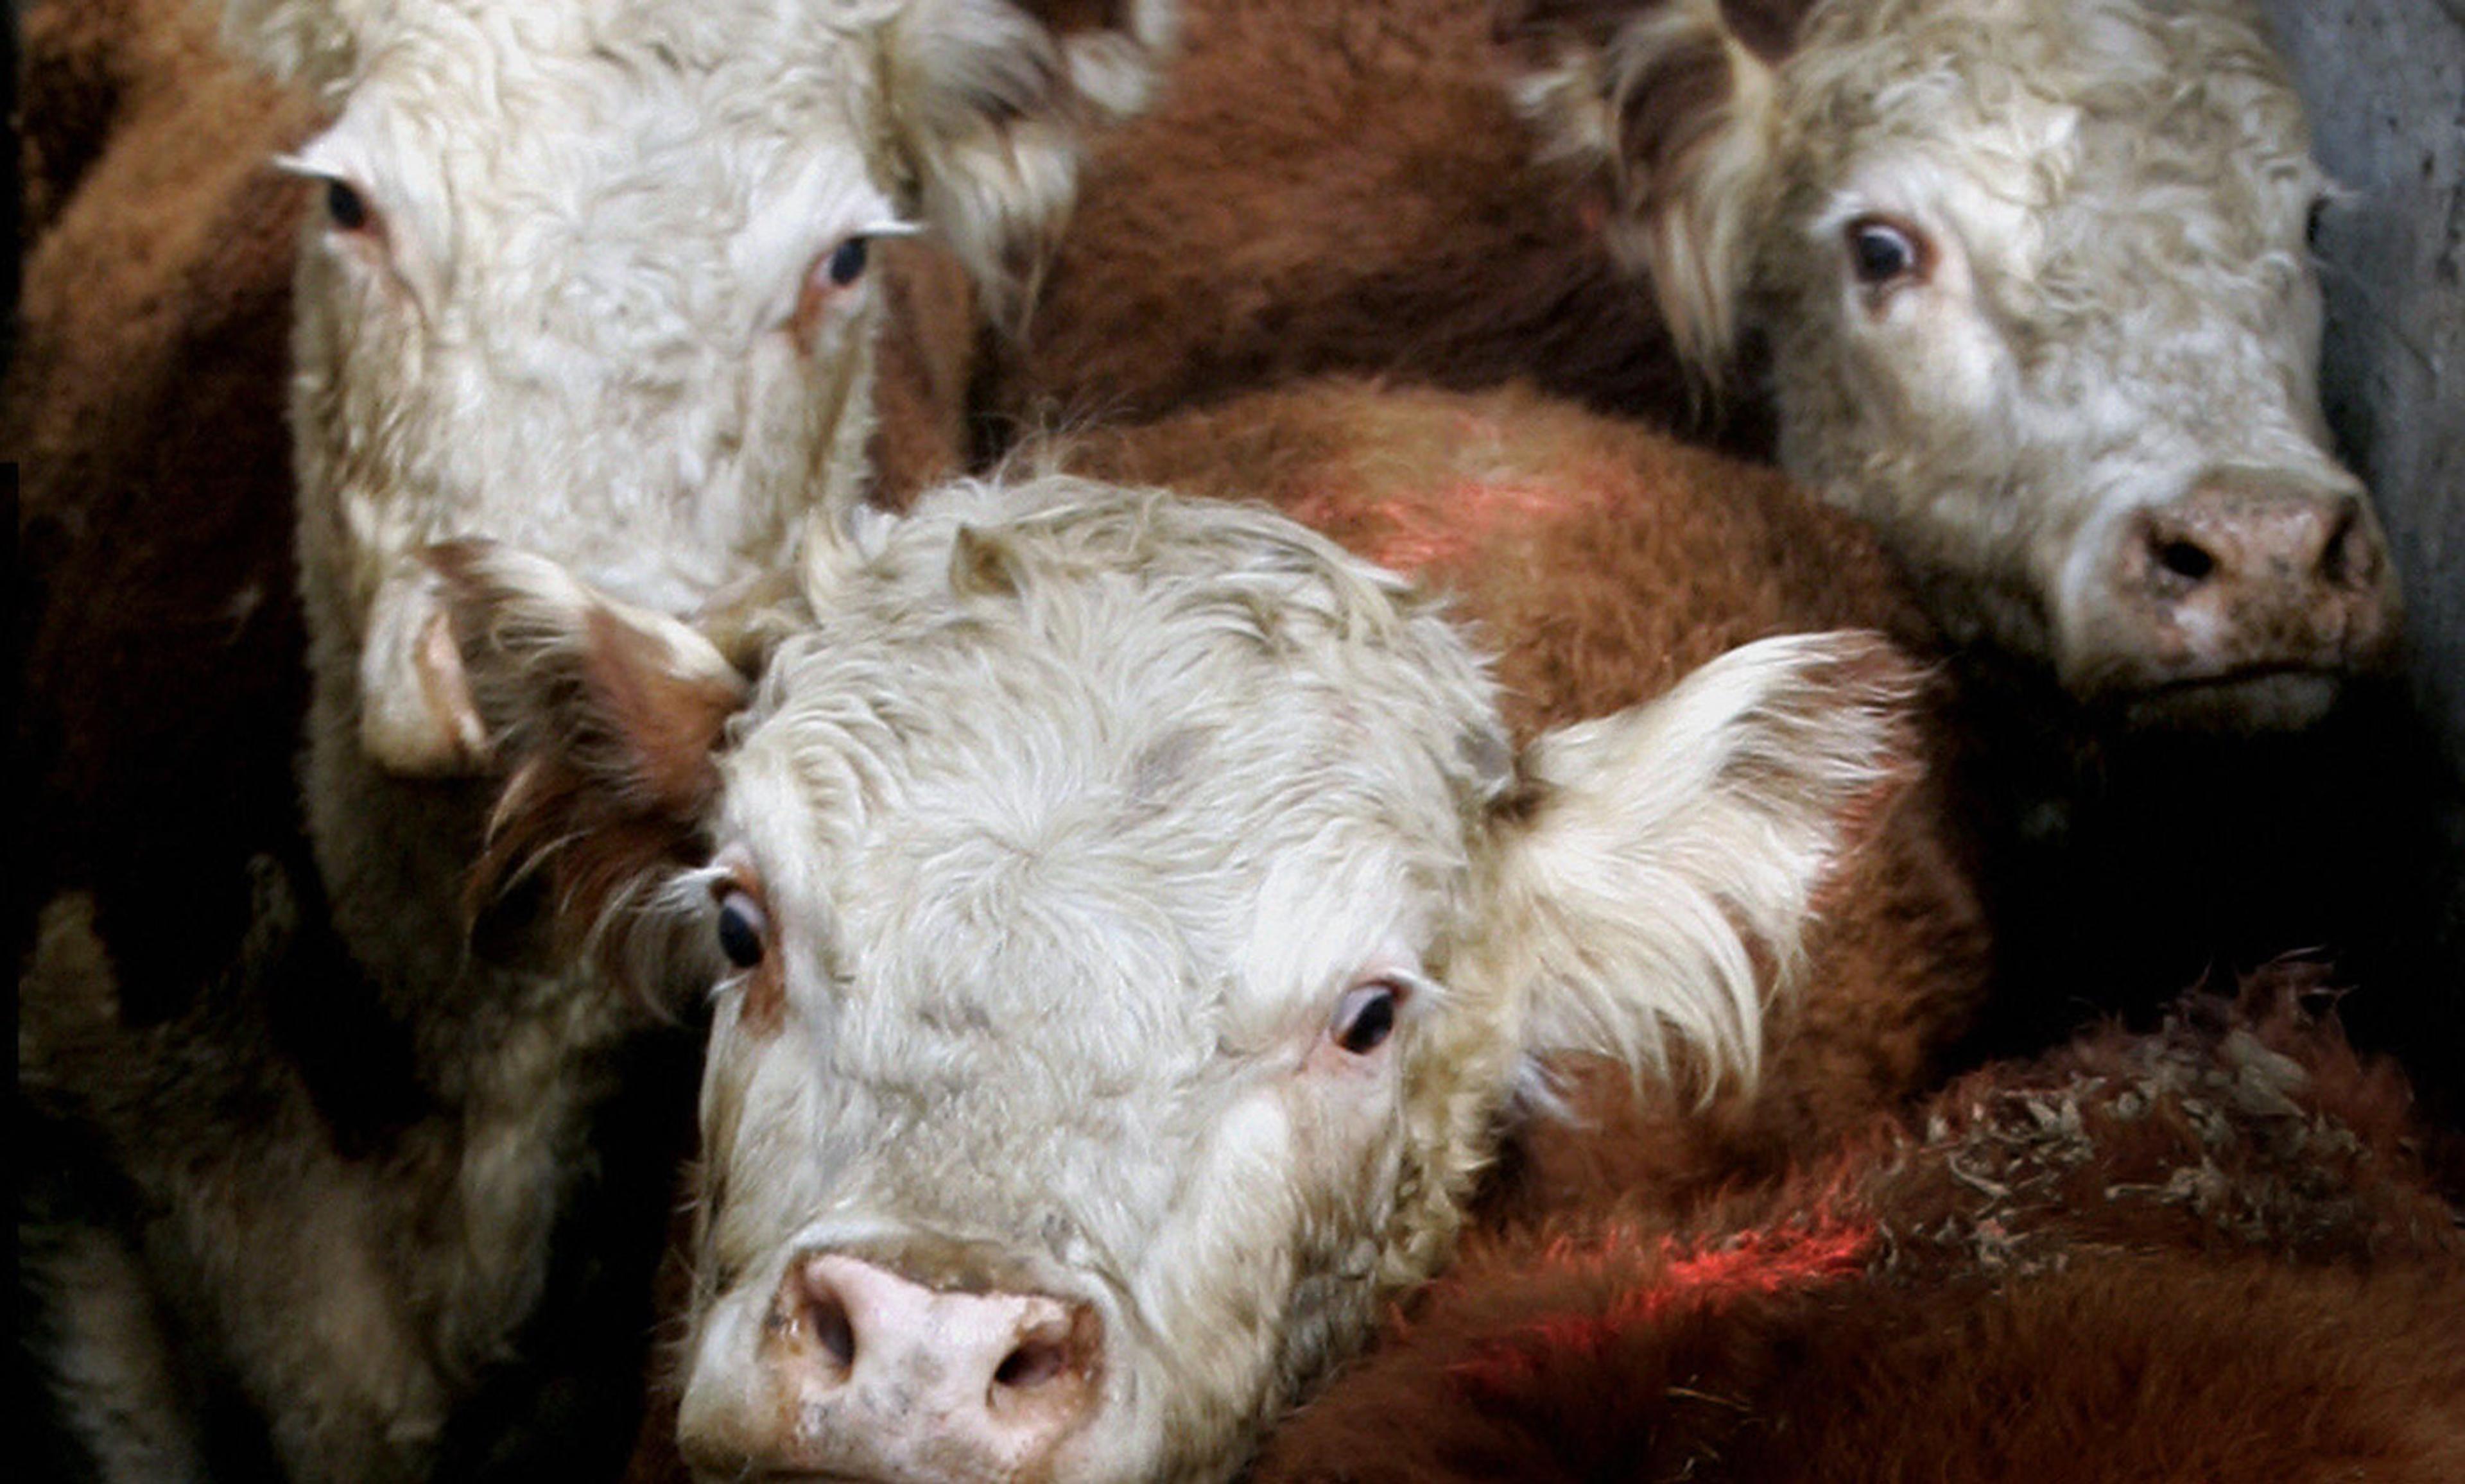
(1329, 188)
(611, 753)
(1601, 562)
(2204, 1255)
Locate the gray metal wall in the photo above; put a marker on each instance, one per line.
(2386, 83)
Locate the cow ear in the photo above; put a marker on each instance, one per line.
(604, 721)
(1667, 111)
(1655, 875)
(992, 102)
(311, 44)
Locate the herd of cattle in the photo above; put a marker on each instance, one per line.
(947, 741)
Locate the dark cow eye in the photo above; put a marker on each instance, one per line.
(2311, 223)
(742, 929)
(1882, 252)
(847, 263)
(1366, 1018)
(345, 207)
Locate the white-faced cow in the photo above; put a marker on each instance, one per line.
(2039, 305)
(1128, 923)
(2033, 283)
(2030, 274)
(592, 277)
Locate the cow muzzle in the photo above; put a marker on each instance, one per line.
(860, 1372)
(2244, 602)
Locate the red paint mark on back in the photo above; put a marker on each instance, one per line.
(1749, 1265)
(1444, 525)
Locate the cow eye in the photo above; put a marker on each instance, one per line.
(345, 207)
(2311, 223)
(847, 261)
(1882, 250)
(742, 929)
(1366, 1018)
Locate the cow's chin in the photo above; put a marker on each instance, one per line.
(2278, 698)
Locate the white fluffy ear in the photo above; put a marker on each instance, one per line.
(992, 102)
(606, 719)
(1656, 881)
(1666, 107)
(313, 44)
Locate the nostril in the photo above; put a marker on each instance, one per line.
(826, 1321)
(832, 1330)
(2345, 561)
(1036, 1361)
(2186, 559)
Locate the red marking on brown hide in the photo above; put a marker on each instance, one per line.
(1752, 1264)
(2206, 1253)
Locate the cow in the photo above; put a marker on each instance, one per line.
(2207, 1252)
(2035, 309)
(1626, 203)
(1127, 921)
(596, 277)
(149, 393)
(2040, 309)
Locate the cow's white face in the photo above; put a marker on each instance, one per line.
(1127, 923)
(2043, 310)
(592, 279)
(1115, 923)
(594, 275)
(2040, 307)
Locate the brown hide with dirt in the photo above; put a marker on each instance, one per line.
(165, 681)
(1330, 187)
(1601, 562)
(2206, 1255)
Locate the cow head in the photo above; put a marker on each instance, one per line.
(592, 275)
(2035, 281)
(1128, 926)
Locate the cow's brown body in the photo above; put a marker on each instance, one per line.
(1328, 188)
(2206, 1255)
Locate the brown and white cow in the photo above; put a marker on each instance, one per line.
(146, 399)
(1128, 920)
(2206, 1253)
(2039, 303)
(593, 277)
(2031, 275)
(1352, 187)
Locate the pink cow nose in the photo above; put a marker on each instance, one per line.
(2251, 571)
(885, 1379)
